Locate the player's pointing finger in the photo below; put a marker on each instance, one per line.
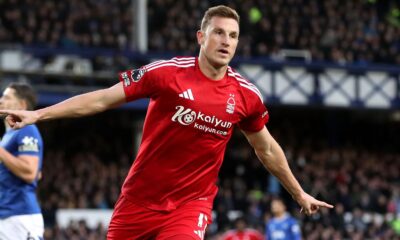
(324, 204)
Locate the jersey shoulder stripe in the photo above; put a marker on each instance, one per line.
(245, 83)
(184, 58)
(233, 73)
(173, 60)
(178, 62)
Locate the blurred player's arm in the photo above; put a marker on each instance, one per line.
(23, 166)
(80, 105)
(295, 231)
(273, 158)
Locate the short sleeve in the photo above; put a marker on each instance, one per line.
(139, 83)
(29, 142)
(257, 116)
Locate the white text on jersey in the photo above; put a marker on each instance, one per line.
(188, 116)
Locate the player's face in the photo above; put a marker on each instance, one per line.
(219, 40)
(277, 207)
(241, 225)
(9, 100)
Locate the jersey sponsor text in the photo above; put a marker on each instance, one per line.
(187, 116)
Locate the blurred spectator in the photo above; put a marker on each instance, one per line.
(282, 226)
(242, 232)
(76, 230)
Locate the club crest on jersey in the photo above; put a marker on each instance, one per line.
(29, 144)
(137, 74)
(230, 104)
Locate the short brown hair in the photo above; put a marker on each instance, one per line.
(218, 11)
(26, 93)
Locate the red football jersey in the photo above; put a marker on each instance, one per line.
(189, 121)
(247, 234)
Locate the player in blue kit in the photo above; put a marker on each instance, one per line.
(282, 226)
(21, 155)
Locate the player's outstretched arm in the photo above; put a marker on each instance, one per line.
(273, 158)
(80, 105)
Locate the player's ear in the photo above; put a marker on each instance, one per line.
(200, 37)
(23, 104)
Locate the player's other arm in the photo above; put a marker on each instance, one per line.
(23, 166)
(77, 106)
(267, 232)
(273, 158)
(295, 230)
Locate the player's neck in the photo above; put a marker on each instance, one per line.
(6, 125)
(209, 70)
(281, 215)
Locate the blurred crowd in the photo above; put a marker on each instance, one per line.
(333, 30)
(363, 183)
(66, 24)
(341, 31)
(83, 169)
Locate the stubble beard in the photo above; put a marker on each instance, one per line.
(216, 62)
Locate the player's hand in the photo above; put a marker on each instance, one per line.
(310, 205)
(19, 118)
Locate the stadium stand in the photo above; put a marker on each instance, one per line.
(357, 32)
(69, 24)
(339, 31)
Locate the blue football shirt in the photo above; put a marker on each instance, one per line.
(285, 228)
(16, 196)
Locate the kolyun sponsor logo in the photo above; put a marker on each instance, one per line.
(187, 116)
